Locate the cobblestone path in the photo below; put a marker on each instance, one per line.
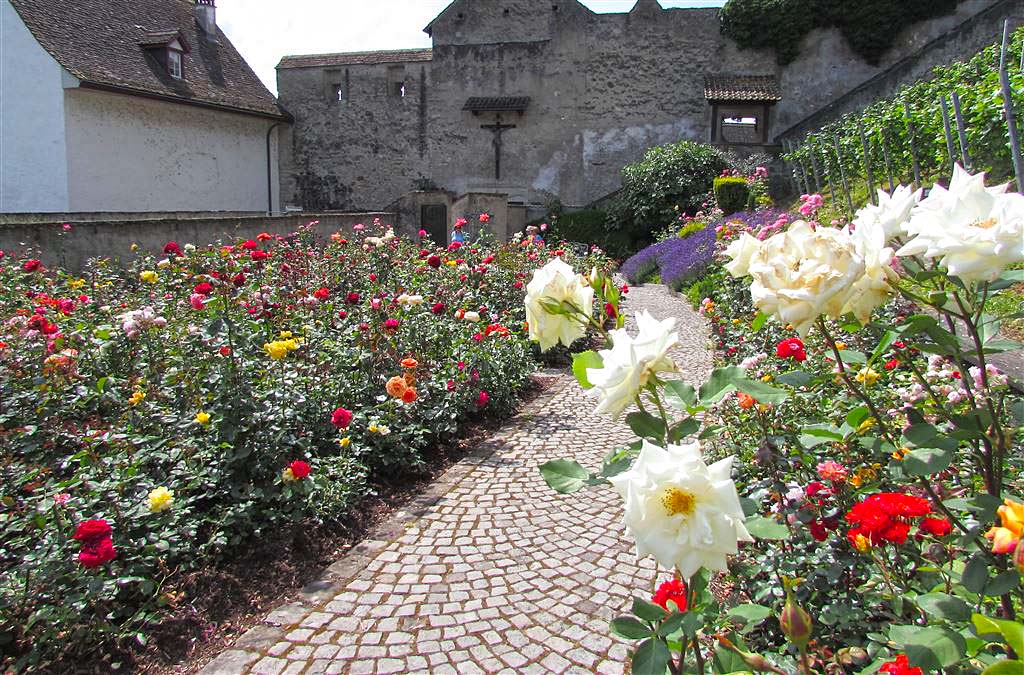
(489, 570)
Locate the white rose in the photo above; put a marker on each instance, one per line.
(556, 283)
(803, 273)
(473, 317)
(741, 251)
(892, 213)
(875, 287)
(684, 513)
(631, 362)
(403, 299)
(415, 300)
(976, 231)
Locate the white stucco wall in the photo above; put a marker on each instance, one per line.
(130, 154)
(33, 167)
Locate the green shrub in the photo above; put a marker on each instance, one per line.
(870, 26)
(669, 180)
(706, 286)
(732, 194)
(692, 228)
(590, 227)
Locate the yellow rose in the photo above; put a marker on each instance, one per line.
(149, 276)
(840, 346)
(76, 283)
(280, 348)
(160, 499)
(451, 263)
(286, 334)
(287, 476)
(372, 428)
(868, 376)
(766, 378)
(202, 418)
(344, 442)
(137, 398)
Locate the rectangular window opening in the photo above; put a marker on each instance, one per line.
(174, 63)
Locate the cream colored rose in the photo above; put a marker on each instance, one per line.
(803, 273)
(892, 213)
(875, 287)
(684, 513)
(552, 285)
(629, 364)
(742, 251)
(976, 232)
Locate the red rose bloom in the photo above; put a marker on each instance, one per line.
(300, 469)
(392, 324)
(100, 553)
(352, 298)
(610, 310)
(322, 294)
(438, 308)
(92, 532)
(172, 248)
(264, 236)
(793, 348)
(341, 418)
(31, 265)
(259, 255)
(674, 590)
(901, 666)
(434, 261)
(342, 314)
(225, 351)
(884, 518)
(204, 288)
(892, 364)
(938, 527)
(238, 279)
(455, 246)
(250, 245)
(483, 399)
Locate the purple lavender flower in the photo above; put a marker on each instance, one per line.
(677, 259)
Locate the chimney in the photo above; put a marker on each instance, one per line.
(206, 17)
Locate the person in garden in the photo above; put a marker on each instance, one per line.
(458, 236)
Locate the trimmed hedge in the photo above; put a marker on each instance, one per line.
(732, 194)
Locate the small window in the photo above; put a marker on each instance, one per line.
(174, 64)
(740, 121)
(339, 92)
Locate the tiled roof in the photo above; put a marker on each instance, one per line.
(357, 58)
(741, 88)
(497, 104)
(102, 43)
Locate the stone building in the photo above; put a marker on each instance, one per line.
(130, 107)
(529, 101)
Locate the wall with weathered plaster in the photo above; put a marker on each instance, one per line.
(113, 239)
(127, 153)
(33, 173)
(604, 88)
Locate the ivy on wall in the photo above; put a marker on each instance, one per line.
(870, 26)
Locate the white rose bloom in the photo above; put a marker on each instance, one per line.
(803, 273)
(976, 231)
(741, 251)
(473, 317)
(415, 300)
(403, 299)
(874, 288)
(892, 212)
(629, 364)
(684, 513)
(556, 282)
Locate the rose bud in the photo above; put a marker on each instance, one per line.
(796, 623)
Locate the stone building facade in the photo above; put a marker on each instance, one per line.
(563, 96)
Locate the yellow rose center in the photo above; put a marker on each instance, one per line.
(678, 502)
(987, 224)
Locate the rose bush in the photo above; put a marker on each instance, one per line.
(153, 419)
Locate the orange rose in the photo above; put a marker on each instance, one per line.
(746, 400)
(1005, 538)
(397, 387)
(410, 395)
(410, 363)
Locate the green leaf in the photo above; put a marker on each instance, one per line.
(215, 327)
(648, 611)
(1005, 668)
(761, 391)
(1011, 632)
(721, 383)
(672, 624)
(759, 322)
(931, 648)
(816, 434)
(1003, 583)
(651, 658)
(749, 613)
(975, 574)
(851, 356)
(795, 378)
(920, 434)
(646, 425)
(684, 429)
(581, 362)
(857, 416)
(927, 461)
(943, 606)
(564, 476)
(883, 346)
(766, 528)
(630, 628)
(680, 395)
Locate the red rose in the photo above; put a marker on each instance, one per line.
(438, 308)
(817, 530)
(610, 310)
(938, 527)
(204, 288)
(674, 591)
(892, 364)
(901, 666)
(250, 245)
(342, 314)
(67, 306)
(373, 277)
(322, 294)
(263, 236)
(352, 298)
(392, 324)
(434, 261)
(225, 351)
(100, 553)
(238, 279)
(483, 399)
(300, 469)
(455, 246)
(32, 266)
(793, 348)
(172, 248)
(258, 255)
(92, 532)
(341, 418)
(884, 518)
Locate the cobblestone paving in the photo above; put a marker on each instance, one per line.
(489, 570)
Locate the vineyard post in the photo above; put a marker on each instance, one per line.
(911, 133)
(867, 162)
(949, 132)
(842, 172)
(814, 166)
(791, 169)
(888, 162)
(1011, 118)
(961, 132)
(826, 165)
(801, 171)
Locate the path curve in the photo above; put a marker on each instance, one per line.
(489, 571)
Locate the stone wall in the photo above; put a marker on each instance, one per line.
(111, 238)
(604, 88)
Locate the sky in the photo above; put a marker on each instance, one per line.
(265, 30)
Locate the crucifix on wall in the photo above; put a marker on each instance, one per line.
(497, 129)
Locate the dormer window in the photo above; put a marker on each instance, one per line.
(174, 64)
